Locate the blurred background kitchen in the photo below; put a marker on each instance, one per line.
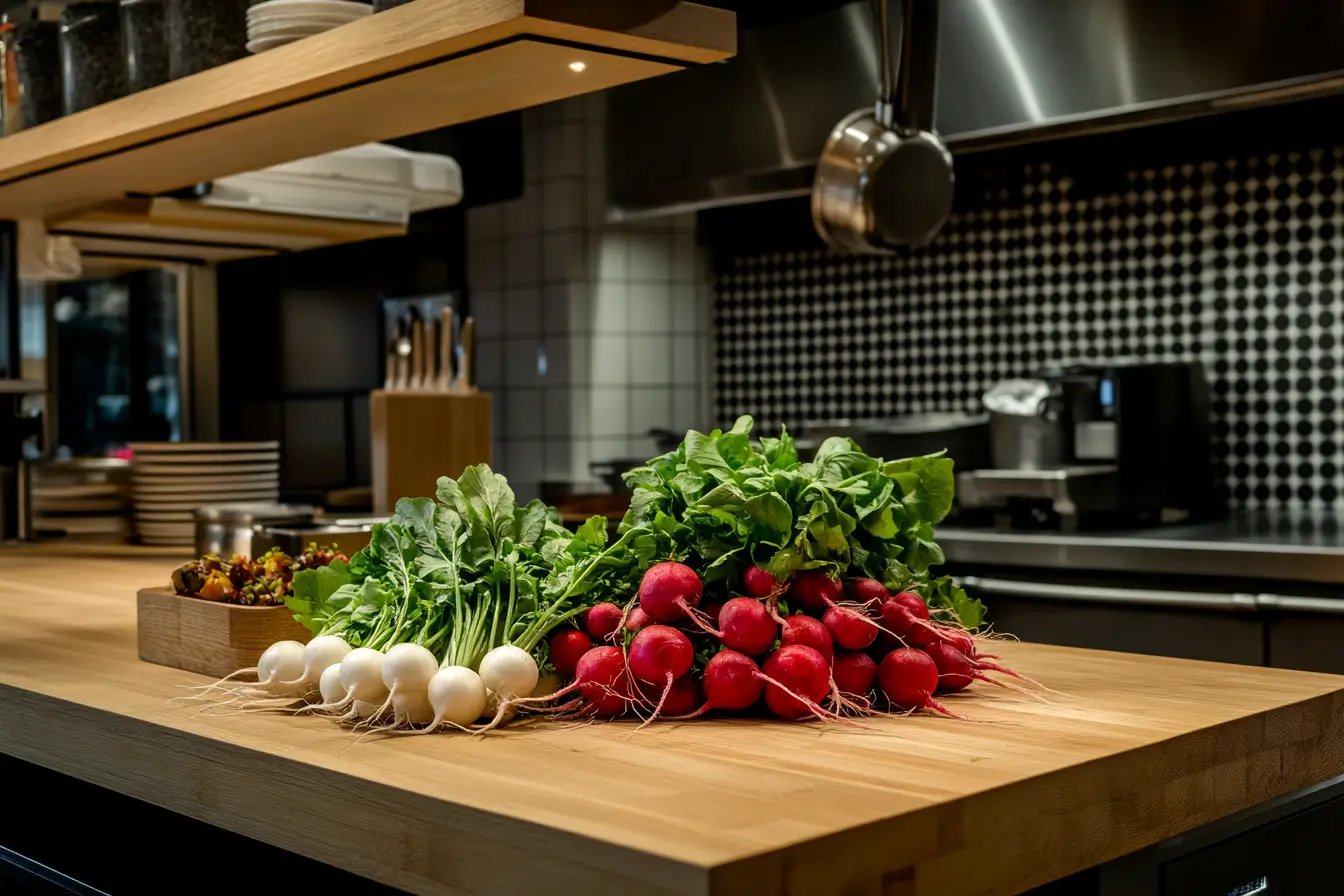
(1127, 330)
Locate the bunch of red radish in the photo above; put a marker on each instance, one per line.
(870, 652)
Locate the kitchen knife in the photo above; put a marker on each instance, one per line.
(467, 371)
(447, 349)
(431, 361)
(393, 359)
(417, 359)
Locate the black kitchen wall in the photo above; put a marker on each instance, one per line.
(1218, 240)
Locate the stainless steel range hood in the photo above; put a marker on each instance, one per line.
(1010, 71)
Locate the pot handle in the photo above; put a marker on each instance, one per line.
(908, 104)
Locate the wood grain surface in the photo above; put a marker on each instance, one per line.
(1140, 749)
(418, 435)
(413, 68)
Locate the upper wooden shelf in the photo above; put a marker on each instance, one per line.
(413, 68)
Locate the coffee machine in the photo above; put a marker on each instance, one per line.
(1105, 444)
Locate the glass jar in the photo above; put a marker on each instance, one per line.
(37, 67)
(205, 33)
(91, 65)
(144, 42)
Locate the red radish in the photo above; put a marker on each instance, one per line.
(909, 677)
(809, 632)
(815, 591)
(567, 648)
(746, 625)
(905, 623)
(604, 681)
(897, 618)
(854, 672)
(799, 679)
(922, 634)
(637, 620)
(684, 697)
(660, 654)
(849, 628)
(963, 641)
(669, 591)
(732, 681)
(914, 603)
(602, 620)
(758, 582)
(955, 670)
(869, 591)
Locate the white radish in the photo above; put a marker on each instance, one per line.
(329, 685)
(362, 676)
(411, 710)
(457, 696)
(320, 654)
(407, 669)
(509, 672)
(280, 671)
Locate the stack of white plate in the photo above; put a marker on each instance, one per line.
(84, 499)
(169, 480)
(279, 22)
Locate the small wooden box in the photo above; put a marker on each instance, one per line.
(207, 637)
(419, 435)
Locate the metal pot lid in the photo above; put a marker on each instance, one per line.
(933, 421)
(249, 514)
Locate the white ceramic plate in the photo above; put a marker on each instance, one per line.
(312, 7)
(250, 457)
(287, 33)
(159, 483)
(83, 525)
(45, 504)
(269, 43)
(264, 27)
(94, 490)
(169, 471)
(181, 447)
(167, 530)
(147, 506)
(166, 516)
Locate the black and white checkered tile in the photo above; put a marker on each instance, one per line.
(1237, 262)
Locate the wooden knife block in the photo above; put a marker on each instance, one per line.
(419, 435)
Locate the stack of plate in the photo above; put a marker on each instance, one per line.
(171, 479)
(84, 499)
(279, 22)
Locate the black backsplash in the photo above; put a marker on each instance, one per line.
(1223, 250)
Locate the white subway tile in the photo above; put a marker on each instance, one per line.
(650, 308)
(520, 362)
(650, 409)
(687, 352)
(523, 215)
(651, 360)
(611, 312)
(582, 306)
(558, 460)
(559, 363)
(485, 222)
(610, 411)
(557, 412)
(522, 311)
(641, 448)
(563, 256)
(487, 307)
(649, 257)
(685, 257)
(485, 263)
(611, 257)
(581, 414)
(610, 449)
(522, 260)
(686, 316)
(523, 414)
(526, 461)
(610, 360)
(555, 309)
(490, 363)
(562, 147)
(562, 204)
(687, 412)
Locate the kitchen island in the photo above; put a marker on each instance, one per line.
(1131, 750)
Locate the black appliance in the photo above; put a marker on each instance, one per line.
(1133, 442)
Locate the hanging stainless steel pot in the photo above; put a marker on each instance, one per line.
(884, 179)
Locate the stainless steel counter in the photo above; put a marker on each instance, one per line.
(1244, 546)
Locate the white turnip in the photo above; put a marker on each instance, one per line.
(457, 695)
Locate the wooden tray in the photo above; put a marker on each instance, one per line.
(208, 637)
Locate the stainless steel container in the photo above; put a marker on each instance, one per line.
(347, 536)
(1026, 443)
(226, 529)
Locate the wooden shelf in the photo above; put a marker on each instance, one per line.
(183, 230)
(427, 64)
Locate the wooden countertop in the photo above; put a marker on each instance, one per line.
(1141, 749)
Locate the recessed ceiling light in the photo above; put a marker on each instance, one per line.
(577, 66)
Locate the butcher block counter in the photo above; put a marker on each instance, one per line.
(1130, 751)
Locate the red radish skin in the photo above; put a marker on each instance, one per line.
(683, 697)
(869, 592)
(604, 681)
(567, 648)
(814, 591)
(849, 628)
(602, 620)
(795, 672)
(712, 609)
(746, 626)
(897, 618)
(758, 582)
(908, 678)
(669, 591)
(854, 672)
(637, 619)
(914, 603)
(809, 632)
(955, 670)
(659, 654)
(732, 682)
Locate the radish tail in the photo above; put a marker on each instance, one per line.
(934, 705)
(690, 715)
(667, 689)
